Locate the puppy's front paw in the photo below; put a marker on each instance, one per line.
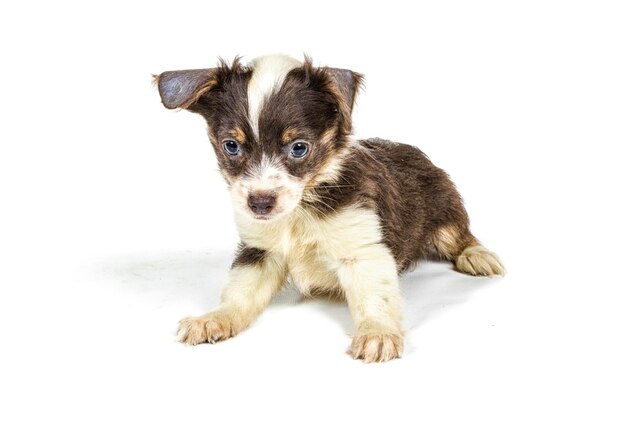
(209, 328)
(376, 347)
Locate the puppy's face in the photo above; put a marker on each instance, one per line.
(279, 127)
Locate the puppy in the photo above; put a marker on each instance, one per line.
(314, 207)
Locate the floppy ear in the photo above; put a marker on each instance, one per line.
(181, 89)
(347, 83)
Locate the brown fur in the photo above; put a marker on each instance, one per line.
(414, 199)
(313, 97)
(238, 135)
(248, 255)
(289, 135)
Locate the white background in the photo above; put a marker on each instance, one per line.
(115, 224)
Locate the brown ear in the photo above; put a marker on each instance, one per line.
(348, 83)
(181, 89)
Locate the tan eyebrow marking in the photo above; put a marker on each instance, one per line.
(289, 134)
(238, 135)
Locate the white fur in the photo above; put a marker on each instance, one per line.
(250, 288)
(266, 171)
(342, 253)
(268, 74)
(267, 176)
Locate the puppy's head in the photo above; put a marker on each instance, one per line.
(278, 126)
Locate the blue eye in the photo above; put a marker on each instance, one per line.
(231, 146)
(299, 149)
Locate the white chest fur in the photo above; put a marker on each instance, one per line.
(313, 249)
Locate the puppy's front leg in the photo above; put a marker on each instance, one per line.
(370, 283)
(254, 278)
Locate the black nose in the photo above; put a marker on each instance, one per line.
(261, 204)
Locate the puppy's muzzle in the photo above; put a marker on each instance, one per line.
(261, 203)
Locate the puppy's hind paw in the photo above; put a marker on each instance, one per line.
(477, 260)
(209, 328)
(376, 347)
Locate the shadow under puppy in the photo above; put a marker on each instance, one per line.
(315, 207)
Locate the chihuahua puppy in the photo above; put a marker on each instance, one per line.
(313, 206)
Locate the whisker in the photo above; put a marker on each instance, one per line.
(322, 186)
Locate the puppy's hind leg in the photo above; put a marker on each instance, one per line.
(467, 254)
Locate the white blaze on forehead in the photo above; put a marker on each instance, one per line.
(268, 73)
(268, 174)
